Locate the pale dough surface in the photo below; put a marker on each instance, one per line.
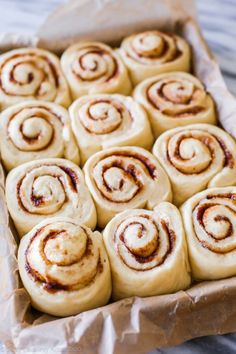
(104, 120)
(210, 224)
(32, 73)
(33, 130)
(173, 100)
(47, 188)
(147, 252)
(94, 67)
(125, 178)
(64, 267)
(196, 157)
(151, 53)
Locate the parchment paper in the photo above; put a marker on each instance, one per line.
(132, 325)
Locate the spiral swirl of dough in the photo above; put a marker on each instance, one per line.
(64, 267)
(33, 130)
(152, 52)
(173, 100)
(196, 157)
(125, 178)
(210, 223)
(94, 67)
(31, 73)
(137, 242)
(45, 188)
(103, 121)
(146, 247)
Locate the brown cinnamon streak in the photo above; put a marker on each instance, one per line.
(171, 237)
(130, 170)
(185, 112)
(145, 160)
(146, 259)
(73, 177)
(165, 49)
(40, 114)
(101, 52)
(39, 200)
(205, 141)
(115, 104)
(32, 62)
(202, 210)
(229, 160)
(50, 285)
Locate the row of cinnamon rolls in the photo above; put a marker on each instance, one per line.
(37, 129)
(184, 161)
(88, 68)
(67, 268)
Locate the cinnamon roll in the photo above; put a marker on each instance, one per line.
(210, 223)
(152, 52)
(103, 121)
(196, 157)
(36, 129)
(46, 188)
(94, 67)
(147, 252)
(175, 99)
(64, 267)
(31, 73)
(125, 178)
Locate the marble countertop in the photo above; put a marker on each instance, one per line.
(218, 21)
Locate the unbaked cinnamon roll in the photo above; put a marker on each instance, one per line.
(46, 188)
(103, 121)
(196, 157)
(33, 130)
(147, 252)
(210, 223)
(31, 73)
(64, 267)
(93, 67)
(152, 52)
(175, 99)
(125, 178)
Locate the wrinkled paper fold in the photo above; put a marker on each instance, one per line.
(132, 325)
